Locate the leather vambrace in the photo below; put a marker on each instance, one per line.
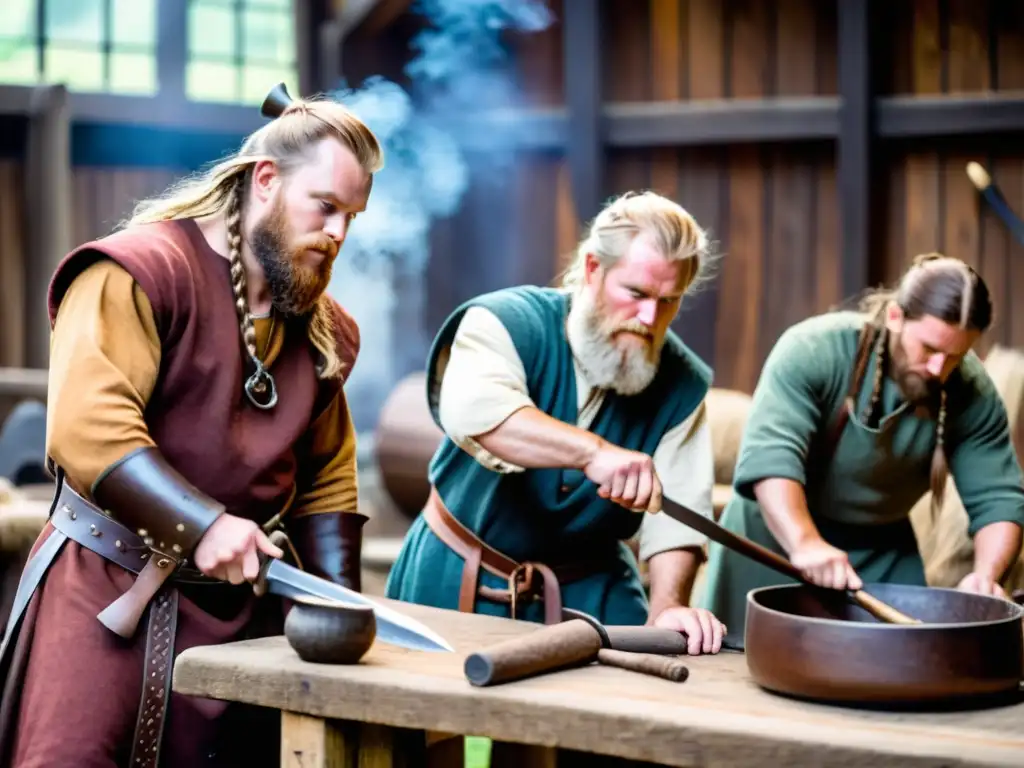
(147, 495)
(330, 545)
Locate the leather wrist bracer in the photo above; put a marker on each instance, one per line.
(330, 546)
(147, 495)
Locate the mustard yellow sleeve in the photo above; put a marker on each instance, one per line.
(104, 362)
(328, 478)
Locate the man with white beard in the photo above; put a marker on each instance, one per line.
(567, 414)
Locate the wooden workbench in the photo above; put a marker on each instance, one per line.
(717, 717)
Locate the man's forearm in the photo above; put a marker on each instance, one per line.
(530, 438)
(671, 575)
(996, 548)
(784, 506)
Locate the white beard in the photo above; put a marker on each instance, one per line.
(624, 371)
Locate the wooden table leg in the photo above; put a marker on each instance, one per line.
(313, 742)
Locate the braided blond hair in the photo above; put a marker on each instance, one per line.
(233, 220)
(221, 189)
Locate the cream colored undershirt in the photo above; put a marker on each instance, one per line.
(484, 382)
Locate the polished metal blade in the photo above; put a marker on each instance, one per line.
(392, 626)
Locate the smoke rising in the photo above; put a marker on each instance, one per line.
(431, 146)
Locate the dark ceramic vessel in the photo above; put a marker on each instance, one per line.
(814, 644)
(328, 632)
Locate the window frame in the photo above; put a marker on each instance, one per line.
(169, 107)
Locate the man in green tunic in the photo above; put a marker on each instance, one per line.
(855, 417)
(565, 411)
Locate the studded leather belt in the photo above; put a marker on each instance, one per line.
(84, 523)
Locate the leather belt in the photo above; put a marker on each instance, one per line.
(522, 577)
(82, 522)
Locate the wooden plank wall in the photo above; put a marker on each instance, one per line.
(951, 47)
(12, 269)
(772, 208)
(514, 227)
(102, 197)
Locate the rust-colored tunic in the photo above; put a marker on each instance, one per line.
(141, 356)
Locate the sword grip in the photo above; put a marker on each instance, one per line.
(280, 540)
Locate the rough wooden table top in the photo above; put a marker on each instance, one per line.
(717, 717)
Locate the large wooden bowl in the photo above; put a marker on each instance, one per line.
(814, 644)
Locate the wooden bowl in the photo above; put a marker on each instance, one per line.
(329, 632)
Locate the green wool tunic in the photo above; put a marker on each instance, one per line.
(546, 515)
(860, 498)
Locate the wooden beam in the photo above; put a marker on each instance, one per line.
(48, 185)
(726, 121)
(927, 116)
(158, 112)
(854, 153)
(677, 124)
(581, 34)
(21, 383)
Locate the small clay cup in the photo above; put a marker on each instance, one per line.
(330, 632)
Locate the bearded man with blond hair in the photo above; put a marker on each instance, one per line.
(567, 414)
(195, 405)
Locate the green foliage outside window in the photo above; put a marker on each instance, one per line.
(89, 45)
(236, 49)
(239, 49)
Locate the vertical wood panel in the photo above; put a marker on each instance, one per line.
(705, 46)
(667, 82)
(12, 265)
(790, 284)
(923, 176)
(958, 46)
(1009, 172)
(738, 335)
(703, 173)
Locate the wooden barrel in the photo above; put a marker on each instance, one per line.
(404, 443)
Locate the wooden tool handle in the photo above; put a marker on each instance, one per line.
(646, 640)
(881, 611)
(553, 647)
(763, 555)
(645, 663)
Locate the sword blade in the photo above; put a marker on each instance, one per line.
(392, 626)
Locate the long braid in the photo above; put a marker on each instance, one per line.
(939, 469)
(238, 282)
(876, 388)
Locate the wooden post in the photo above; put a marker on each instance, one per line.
(854, 150)
(581, 30)
(308, 17)
(48, 184)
